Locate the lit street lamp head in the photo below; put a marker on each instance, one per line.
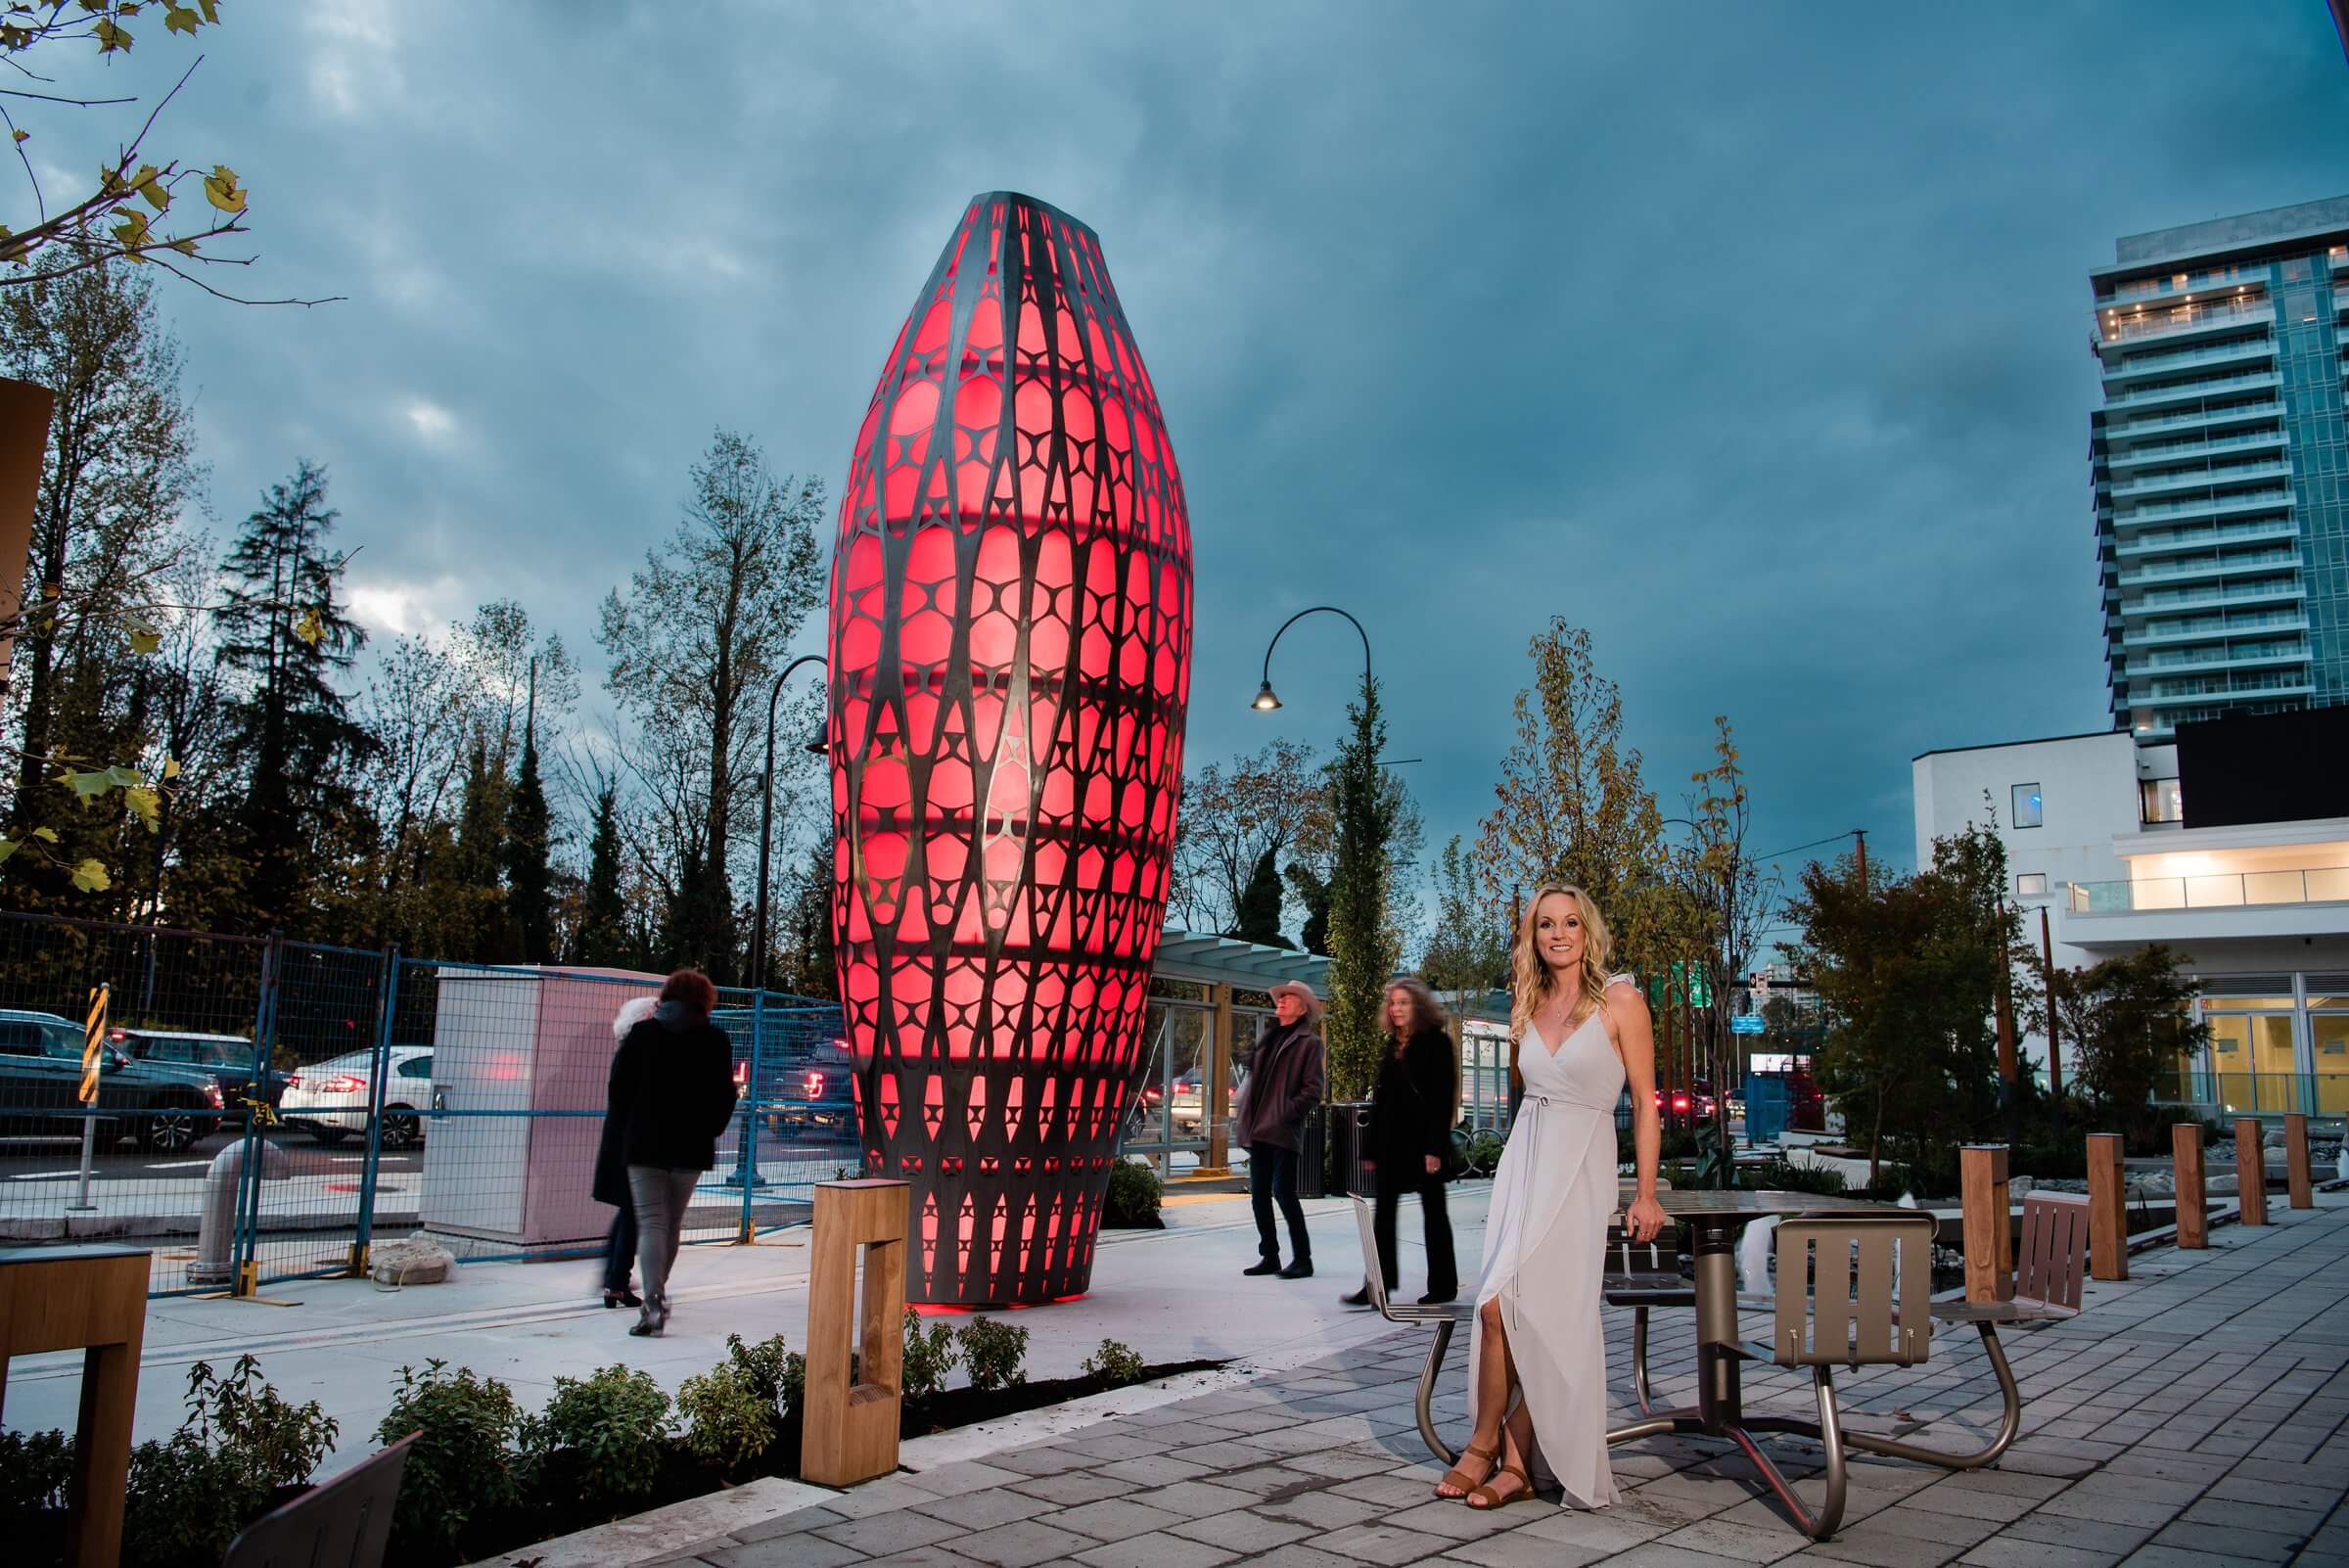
(1264, 702)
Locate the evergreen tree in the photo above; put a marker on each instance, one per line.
(1313, 893)
(529, 880)
(1363, 947)
(604, 914)
(814, 969)
(1260, 905)
(285, 634)
(480, 852)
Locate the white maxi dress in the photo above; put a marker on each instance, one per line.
(1546, 1241)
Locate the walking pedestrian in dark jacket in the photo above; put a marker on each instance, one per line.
(1284, 1085)
(1410, 1135)
(673, 1093)
(611, 1175)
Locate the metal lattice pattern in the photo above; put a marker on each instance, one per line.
(1010, 644)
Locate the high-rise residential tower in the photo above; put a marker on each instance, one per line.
(2222, 467)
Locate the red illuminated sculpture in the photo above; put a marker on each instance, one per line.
(1010, 652)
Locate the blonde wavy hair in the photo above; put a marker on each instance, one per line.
(1529, 980)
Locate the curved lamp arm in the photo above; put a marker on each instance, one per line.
(1264, 698)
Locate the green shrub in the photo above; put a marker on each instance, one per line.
(1484, 1152)
(1115, 1364)
(794, 1383)
(34, 1467)
(1134, 1193)
(929, 1355)
(766, 1365)
(613, 1423)
(241, 1441)
(728, 1421)
(463, 1461)
(994, 1354)
(1781, 1175)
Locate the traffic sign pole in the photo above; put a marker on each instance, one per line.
(93, 1046)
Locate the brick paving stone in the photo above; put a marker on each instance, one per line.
(879, 1497)
(1073, 1486)
(2111, 1507)
(1297, 1554)
(880, 1534)
(2005, 1551)
(1377, 1541)
(1246, 1530)
(1155, 1550)
(2223, 1540)
(2274, 1517)
(2088, 1535)
(923, 1557)
(1324, 1510)
(1046, 1461)
(1022, 1543)
(1996, 1506)
(984, 1509)
(964, 1475)
(1867, 1543)
(2182, 1558)
(1655, 1555)
(1736, 1542)
(1265, 1480)
(1393, 1491)
(793, 1551)
(1194, 1499)
(1154, 1470)
(788, 1523)
(1114, 1518)
(1225, 1454)
(1342, 1464)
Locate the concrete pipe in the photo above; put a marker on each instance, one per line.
(216, 1240)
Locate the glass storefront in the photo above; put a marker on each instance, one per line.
(2277, 1044)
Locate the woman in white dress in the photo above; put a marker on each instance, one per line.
(1537, 1362)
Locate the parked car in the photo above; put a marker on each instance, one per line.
(226, 1057)
(804, 1084)
(329, 1099)
(1189, 1099)
(168, 1108)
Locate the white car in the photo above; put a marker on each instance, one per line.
(329, 1099)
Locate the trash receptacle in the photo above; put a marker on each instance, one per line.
(1349, 1145)
(1312, 1155)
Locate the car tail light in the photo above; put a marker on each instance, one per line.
(814, 1086)
(118, 1036)
(1680, 1102)
(211, 1093)
(292, 1080)
(341, 1083)
(742, 1074)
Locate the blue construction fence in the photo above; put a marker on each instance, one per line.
(266, 1108)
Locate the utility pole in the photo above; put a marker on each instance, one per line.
(1860, 834)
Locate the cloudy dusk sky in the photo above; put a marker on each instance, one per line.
(1754, 336)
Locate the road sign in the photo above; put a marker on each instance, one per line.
(93, 1046)
(1746, 1023)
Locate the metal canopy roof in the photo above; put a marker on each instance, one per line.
(1227, 960)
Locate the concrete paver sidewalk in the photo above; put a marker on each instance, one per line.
(2189, 1417)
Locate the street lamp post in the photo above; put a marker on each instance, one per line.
(766, 819)
(1266, 700)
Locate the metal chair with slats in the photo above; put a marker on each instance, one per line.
(342, 1523)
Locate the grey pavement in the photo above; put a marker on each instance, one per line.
(2190, 1416)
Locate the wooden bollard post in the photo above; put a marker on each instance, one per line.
(2107, 1208)
(1988, 1226)
(2251, 1172)
(2185, 1151)
(2295, 1162)
(850, 1430)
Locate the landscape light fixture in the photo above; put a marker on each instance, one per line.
(1266, 701)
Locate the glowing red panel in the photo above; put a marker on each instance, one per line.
(1010, 644)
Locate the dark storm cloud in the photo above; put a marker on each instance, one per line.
(1752, 337)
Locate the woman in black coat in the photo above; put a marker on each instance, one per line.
(670, 1096)
(1410, 1135)
(612, 1176)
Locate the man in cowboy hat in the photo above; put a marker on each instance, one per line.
(1284, 1085)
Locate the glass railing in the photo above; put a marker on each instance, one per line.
(2143, 364)
(2215, 626)
(2256, 1093)
(2188, 538)
(2241, 592)
(2207, 503)
(2179, 318)
(2190, 389)
(2165, 452)
(2215, 473)
(2173, 285)
(2199, 416)
(2233, 656)
(2242, 889)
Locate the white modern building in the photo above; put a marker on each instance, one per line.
(2104, 844)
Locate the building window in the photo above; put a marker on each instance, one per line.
(2158, 800)
(2031, 884)
(2026, 806)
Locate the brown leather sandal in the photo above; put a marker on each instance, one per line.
(1493, 1499)
(1456, 1477)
